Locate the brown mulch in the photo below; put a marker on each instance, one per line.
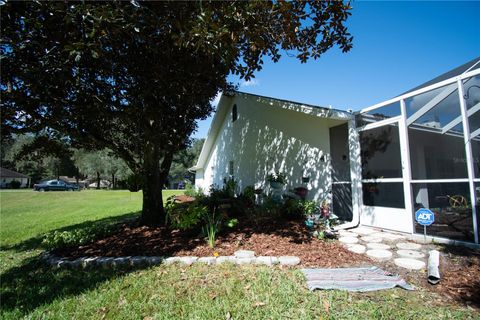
(267, 239)
(459, 266)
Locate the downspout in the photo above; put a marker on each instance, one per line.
(355, 176)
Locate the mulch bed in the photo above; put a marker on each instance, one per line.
(266, 238)
(459, 266)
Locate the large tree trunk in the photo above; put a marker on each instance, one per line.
(113, 181)
(154, 174)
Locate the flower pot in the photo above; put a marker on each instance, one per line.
(276, 185)
(305, 179)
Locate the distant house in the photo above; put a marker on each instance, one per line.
(7, 176)
(377, 167)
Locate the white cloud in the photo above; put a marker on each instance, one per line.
(250, 83)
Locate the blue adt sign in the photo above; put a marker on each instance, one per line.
(425, 217)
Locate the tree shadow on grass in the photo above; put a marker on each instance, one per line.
(35, 283)
(36, 242)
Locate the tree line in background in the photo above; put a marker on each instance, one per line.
(99, 168)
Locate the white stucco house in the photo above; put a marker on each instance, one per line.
(378, 165)
(7, 176)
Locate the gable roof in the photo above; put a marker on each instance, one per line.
(469, 66)
(7, 173)
(224, 105)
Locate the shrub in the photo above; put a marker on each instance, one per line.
(60, 239)
(15, 184)
(184, 216)
(192, 191)
(248, 196)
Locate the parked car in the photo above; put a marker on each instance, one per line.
(55, 185)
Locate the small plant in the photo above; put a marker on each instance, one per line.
(211, 227)
(210, 230)
(184, 216)
(190, 190)
(248, 196)
(232, 223)
(309, 207)
(61, 239)
(230, 187)
(277, 177)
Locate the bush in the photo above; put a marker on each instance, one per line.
(15, 184)
(192, 191)
(68, 238)
(184, 216)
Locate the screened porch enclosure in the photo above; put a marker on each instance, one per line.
(422, 150)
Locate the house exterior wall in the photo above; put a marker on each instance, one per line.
(267, 138)
(5, 182)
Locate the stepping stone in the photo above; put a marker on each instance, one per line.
(288, 260)
(207, 260)
(357, 248)
(266, 260)
(375, 239)
(391, 236)
(244, 254)
(410, 254)
(363, 231)
(379, 254)
(411, 264)
(377, 246)
(348, 240)
(408, 246)
(344, 233)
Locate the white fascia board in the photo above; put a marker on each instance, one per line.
(318, 111)
(215, 127)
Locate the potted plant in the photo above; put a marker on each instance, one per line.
(276, 180)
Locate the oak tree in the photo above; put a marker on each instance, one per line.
(134, 77)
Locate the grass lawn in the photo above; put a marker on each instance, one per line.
(29, 289)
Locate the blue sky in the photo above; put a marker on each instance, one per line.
(396, 46)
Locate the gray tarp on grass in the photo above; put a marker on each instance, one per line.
(353, 279)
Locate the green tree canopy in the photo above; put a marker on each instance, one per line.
(135, 76)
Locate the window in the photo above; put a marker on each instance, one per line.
(230, 168)
(452, 207)
(383, 195)
(380, 152)
(234, 113)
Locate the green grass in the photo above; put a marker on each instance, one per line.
(31, 290)
(27, 213)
